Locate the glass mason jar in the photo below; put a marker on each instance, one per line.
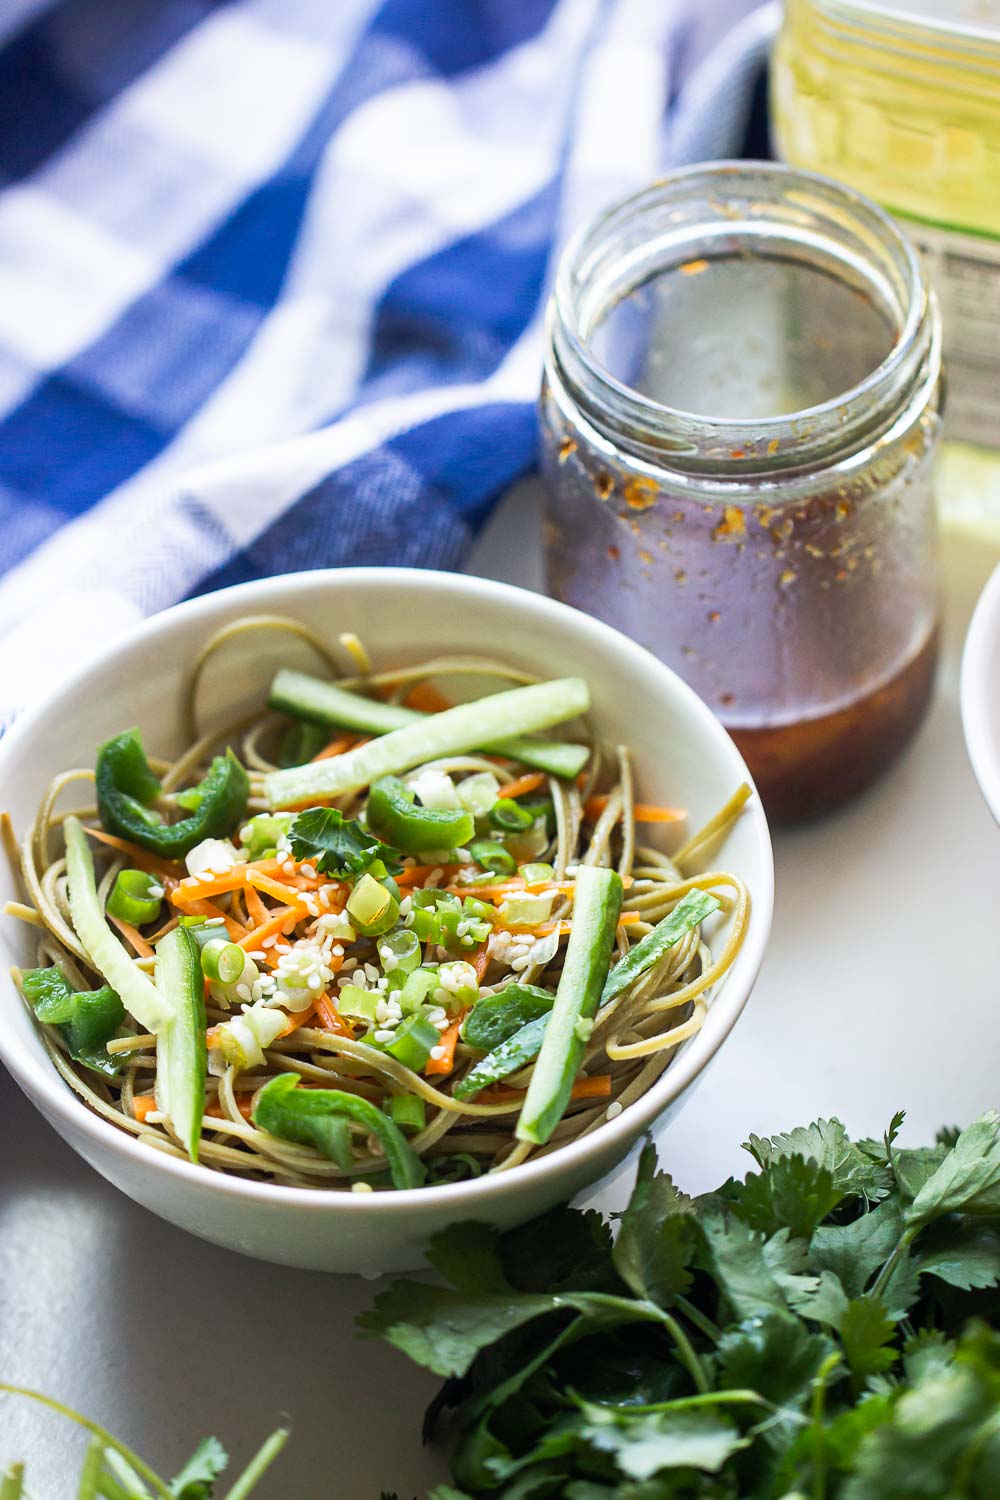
(740, 406)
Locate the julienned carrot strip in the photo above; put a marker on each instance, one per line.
(273, 926)
(244, 1104)
(523, 785)
(296, 1019)
(427, 698)
(330, 1019)
(142, 1105)
(140, 857)
(515, 886)
(190, 890)
(337, 746)
(481, 962)
(596, 1087)
(448, 1043)
(234, 931)
(644, 812)
(276, 888)
(256, 910)
(417, 874)
(132, 934)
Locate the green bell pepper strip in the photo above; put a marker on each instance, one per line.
(107, 955)
(306, 1115)
(326, 702)
(126, 785)
(393, 816)
(88, 1019)
(130, 899)
(688, 913)
(452, 732)
(516, 1052)
(596, 908)
(496, 1017)
(181, 1047)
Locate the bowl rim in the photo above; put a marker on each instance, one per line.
(55, 1098)
(982, 644)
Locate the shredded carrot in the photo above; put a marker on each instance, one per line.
(523, 785)
(644, 812)
(516, 886)
(337, 746)
(330, 1019)
(142, 1105)
(296, 1019)
(133, 935)
(276, 888)
(277, 920)
(596, 1087)
(481, 962)
(427, 698)
(244, 1104)
(256, 910)
(209, 909)
(193, 889)
(140, 857)
(448, 1043)
(417, 874)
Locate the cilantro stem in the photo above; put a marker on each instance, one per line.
(262, 1459)
(143, 1470)
(686, 1353)
(818, 1411)
(905, 1240)
(12, 1483)
(698, 1318)
(707, 1398)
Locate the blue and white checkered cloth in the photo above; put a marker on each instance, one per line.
(272, 274)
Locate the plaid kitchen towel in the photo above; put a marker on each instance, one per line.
(272, 274)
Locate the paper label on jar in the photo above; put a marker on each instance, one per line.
(965, 270)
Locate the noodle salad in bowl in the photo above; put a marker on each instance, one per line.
(406, 926)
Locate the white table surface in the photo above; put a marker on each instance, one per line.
(879, 991)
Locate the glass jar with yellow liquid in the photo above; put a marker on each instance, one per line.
(901, 99)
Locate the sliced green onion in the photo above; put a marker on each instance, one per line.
(408, 1111)
(419, 986)
(415, 1038)
(509, 816)
(400, 952)
(136, 897)
(354, 1001)
(223, 961)
(492, 856)
(534, 874)
(371, 907)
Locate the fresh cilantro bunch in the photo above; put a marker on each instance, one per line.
(110, 1469)
(339, 846)
(823, 1330)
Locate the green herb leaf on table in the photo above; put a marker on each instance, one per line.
(203, 1468)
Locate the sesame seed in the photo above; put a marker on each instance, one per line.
(308, 870)
(437, 1053)
(613, 1110)
(356, 1187)
(384, 1035)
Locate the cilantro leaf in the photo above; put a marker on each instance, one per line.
(656, 1241)
(337, 845)
(826, 1142)
(964, 1252)
(468, 1255)
(644, 1445)
(565, 1248)
(927, 1352)
(733, 1255)
(793, 1192)
(775, 1355)
(865, 1332)
(967, 1179)
(196, 1480)
(855, 1252)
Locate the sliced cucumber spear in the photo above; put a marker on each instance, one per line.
(108, 956)
(453, 732)
(597, 905)
(311, 698)
(181, 1047)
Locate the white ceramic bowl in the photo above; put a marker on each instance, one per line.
(981, 693)
(682, 755)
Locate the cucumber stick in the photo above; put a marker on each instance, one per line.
(181, 1049)
(453, 732)
(311, 698)
(111, 960)
(597, 905)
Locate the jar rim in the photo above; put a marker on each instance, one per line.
(822, 433)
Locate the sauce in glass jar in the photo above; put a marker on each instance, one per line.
(739, 412)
